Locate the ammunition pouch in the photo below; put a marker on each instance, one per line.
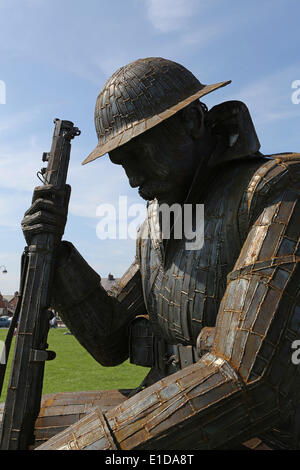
(148, 350)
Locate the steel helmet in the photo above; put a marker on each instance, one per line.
(139, 96)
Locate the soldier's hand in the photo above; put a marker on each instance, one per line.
(48, 212)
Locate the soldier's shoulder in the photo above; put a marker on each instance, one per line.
(280, 162)
(276, 174)
(285, 156)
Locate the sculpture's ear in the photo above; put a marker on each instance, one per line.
(232, 127)
(193, 119)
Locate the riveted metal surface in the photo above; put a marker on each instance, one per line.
(59, 411)
(139, 96)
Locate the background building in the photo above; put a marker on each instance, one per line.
(3, 305)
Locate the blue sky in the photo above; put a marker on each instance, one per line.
(55, 57)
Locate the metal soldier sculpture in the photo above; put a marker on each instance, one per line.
(217, 324)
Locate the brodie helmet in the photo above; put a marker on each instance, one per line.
(139, 96)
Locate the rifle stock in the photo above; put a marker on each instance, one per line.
(24, 392)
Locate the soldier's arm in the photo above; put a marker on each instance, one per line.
(99, 319)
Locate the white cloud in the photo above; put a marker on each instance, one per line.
(16, 120)
(204, 34)
(269, 98)
(170, 15)
(18, 168)
(109, 65)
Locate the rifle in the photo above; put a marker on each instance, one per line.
(24, 392)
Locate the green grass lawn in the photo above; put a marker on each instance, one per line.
(74, 369)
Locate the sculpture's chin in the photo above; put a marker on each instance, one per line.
(160, 191)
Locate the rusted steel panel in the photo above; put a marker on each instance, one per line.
(59, 411)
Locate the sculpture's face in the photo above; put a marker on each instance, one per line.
(160, 162)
